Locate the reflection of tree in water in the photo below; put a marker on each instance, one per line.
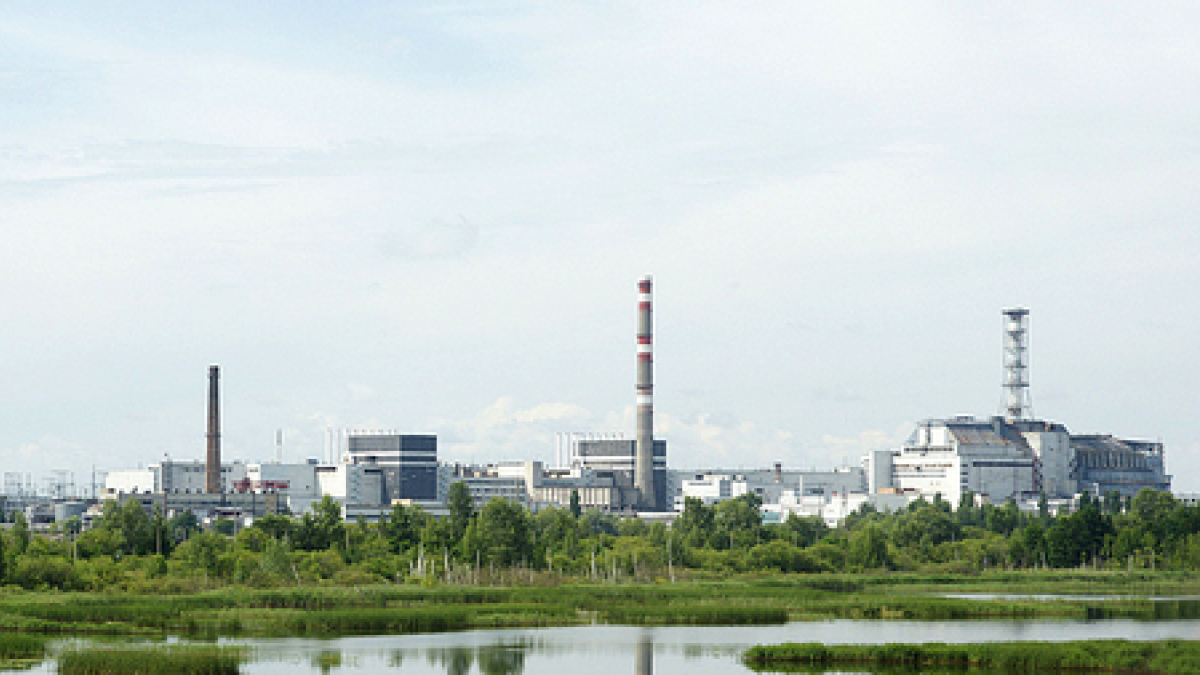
(457, 660)
(326, 660)
(498, 659)
(501, 660)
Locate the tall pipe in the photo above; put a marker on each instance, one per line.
(212, 466)
(643, 469)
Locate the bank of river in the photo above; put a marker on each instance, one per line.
(610, 650)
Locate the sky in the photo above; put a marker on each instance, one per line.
(431, 217)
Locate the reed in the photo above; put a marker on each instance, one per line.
(1169, 657)
(20, 646)
(182, 660)
(711, 615)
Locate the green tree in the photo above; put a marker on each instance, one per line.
(737, 523)
(804, 531)
(461, 508)
(321, 528)
(695, 523)
(576, 508)
(203, 552)
(501, 534)
(276, 526)
(20, 533)
(182, 526)
(402, 528)
(868, 549)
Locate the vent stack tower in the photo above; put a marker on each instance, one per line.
(1017, 405)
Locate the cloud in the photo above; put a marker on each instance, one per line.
(866, 441)
(503, 431)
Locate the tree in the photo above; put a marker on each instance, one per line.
(500, 534)
(805, 531)
(203, 552)
(20, 533)
(403, 528)
(322, 528)
(182, 525)
(275, 526)
(695, 523)
(576, 508)
(461, 508)
(868, 548)
(738, 522)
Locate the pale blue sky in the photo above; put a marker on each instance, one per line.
(431, 217)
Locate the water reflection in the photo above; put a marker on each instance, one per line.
(508, 658)
(643, 660)
(497, 659)
(326, 660)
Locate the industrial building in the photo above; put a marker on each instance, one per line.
(375, 469)
(408, 463)
(1014, 456)
(770, 485)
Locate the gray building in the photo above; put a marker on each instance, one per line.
(613, 459)
(1106, 464)
(408, 463)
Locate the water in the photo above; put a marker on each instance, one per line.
(615, 650)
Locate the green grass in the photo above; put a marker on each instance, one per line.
(21, 646)
(390, 608)
(1168, 657)
(180, 660)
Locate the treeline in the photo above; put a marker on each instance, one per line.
(504, 543)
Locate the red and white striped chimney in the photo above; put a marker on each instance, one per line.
(643, 464)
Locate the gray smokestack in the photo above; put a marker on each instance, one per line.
(643, 463)
(212, 466)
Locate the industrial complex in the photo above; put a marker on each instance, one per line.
(1011, 456)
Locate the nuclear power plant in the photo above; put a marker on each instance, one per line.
(1012, 455)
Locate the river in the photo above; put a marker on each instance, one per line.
(615, 650)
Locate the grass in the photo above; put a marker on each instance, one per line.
(387, 608)
(1169, 657)
(21, 646)
(181, 660)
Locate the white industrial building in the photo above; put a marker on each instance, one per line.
(951, 457)
(171, 476)
(1015, 455)
(832, 509)
(769, 484)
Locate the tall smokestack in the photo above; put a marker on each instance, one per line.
(212, 466)
(643, 463)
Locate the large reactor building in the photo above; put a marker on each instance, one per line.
(1014, 455)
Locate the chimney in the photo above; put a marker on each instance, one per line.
(212, 466)
(643, 464)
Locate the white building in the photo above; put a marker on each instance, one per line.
(833, 508)
(769, 484)
(173, 477)
(950, 457)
